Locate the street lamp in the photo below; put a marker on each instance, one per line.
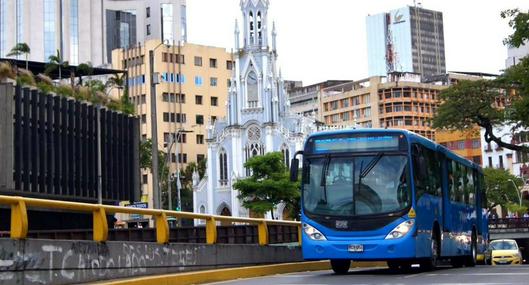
(517, 192)
(154, 130)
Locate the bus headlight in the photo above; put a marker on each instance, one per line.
(401, 230)
(313, 233)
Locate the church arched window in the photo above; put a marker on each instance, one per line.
(251, 26)
(252, 94)
(223, 167)
(259, 28)
(286, 155)
(254, 146)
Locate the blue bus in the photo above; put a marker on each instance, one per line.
(389, 195)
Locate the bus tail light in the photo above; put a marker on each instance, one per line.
(401, 230)
(313, 233)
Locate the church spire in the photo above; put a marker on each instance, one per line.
(274, 34)
(236, 35)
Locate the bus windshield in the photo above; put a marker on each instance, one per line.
(356, 185)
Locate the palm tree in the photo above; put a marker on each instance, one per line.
(56, 61)
(117, 81)
(84, 69)
(19, 49)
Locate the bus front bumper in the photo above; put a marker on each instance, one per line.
(372, 249)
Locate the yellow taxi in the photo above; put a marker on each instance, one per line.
(503, 252)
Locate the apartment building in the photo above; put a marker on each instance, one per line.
(191, 94)
(397, 101)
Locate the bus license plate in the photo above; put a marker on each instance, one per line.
(356, 248)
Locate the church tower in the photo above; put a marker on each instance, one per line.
(258, 120)
(257, 91)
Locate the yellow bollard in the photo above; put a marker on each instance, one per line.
(162, 229)
(300, 229)
(211, 230)
(19, 220)
(100, 226)
(262, 229)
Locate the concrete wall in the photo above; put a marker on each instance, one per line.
(66, 262)
(6, 135)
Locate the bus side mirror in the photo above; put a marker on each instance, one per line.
(294, 164)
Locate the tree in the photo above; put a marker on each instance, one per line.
(470, 103)
(84, 69)
(20, 49)
(519, 21)
(269, 184)
(500, 190)
(56, 62)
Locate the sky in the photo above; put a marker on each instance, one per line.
(320, 40)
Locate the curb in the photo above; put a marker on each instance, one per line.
(216, 275)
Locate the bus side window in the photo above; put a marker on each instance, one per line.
(419, 169)
(466, 190)
(451, 181)
(471, 187)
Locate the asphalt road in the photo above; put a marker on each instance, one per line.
(481, 274)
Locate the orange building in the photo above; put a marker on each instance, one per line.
(466, 144)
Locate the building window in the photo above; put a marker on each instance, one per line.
(198, 80)
(182, 158)
(200, 157)
(223, 167)
(144, 179)
(286, 155)
(199, 119)
(501, 161)
(198, 99)
(173, 98)
(476, 144)
(213, 62)
(214, 101)
(213, 119)
(147, 12)
(167, 22)
(144, 119)
(213, 81)
(198, 61)
(200, 139)
(229, 64)
(148, 29)
(50, 12)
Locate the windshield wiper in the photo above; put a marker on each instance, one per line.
(323, 182)
(370, 166)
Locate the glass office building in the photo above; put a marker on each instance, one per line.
(408, 39)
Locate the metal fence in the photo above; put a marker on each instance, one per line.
(54, 149)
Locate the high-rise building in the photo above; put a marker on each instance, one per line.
(74, 27)
(88, 30)
(191, 94)
(164, 20)
(408, 39)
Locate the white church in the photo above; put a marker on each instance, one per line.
(258, 117)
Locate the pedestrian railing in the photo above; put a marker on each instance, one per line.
(19, 218)
(508, 224)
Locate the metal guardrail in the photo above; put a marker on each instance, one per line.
(509, 225)
(19, 219)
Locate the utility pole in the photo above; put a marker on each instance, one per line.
(154, 134)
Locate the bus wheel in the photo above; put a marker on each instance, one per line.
(472, 259)
(340, 266)
(431, 263)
